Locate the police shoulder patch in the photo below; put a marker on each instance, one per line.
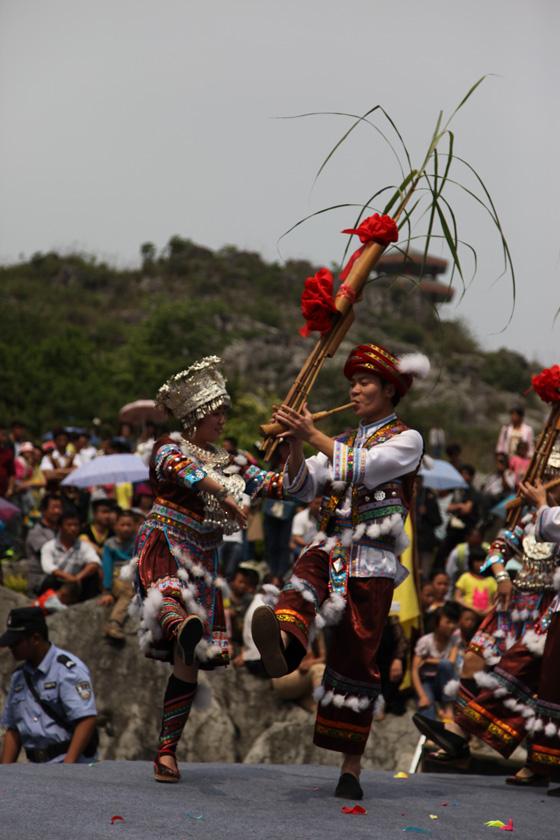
(65, 660)
(84, 689)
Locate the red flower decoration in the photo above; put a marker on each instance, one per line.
(377, 228)
(381, 229)
(547, 384)
(317, 303)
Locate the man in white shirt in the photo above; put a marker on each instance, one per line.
(367, 479)
(66, 558)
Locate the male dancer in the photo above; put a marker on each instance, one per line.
(347, 574)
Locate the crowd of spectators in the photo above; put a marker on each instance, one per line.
(75, 542)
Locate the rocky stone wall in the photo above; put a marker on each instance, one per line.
(244, 721)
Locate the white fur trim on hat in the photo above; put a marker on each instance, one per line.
(414, 364)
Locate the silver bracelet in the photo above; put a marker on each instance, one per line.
(222, 494)
(502, 576)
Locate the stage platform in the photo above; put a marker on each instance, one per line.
(240, 801)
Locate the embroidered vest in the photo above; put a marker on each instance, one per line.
(368, 505)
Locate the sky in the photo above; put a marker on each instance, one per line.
(126, 121)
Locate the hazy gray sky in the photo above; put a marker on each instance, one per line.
(132, 120)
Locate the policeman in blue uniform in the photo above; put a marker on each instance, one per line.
(50, 710)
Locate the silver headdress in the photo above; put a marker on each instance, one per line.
(193, 393)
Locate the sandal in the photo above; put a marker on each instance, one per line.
(268, 639)
(163, 773)
(454, 745)
(461, 762)
(531, 780)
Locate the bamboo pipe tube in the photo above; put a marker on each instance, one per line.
(269, 429)
(519, 501)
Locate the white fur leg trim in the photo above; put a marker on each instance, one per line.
(524, 614)
(538, 725)
(270, 594)
(202, 698)
(151, 608)
(327, 698)
(308, 596)
(499, 634)
(134, 607)
(319, 692)
(485, 680)
(332, 608)
(510, 640)
(501, 692)
(515, 615)
(346, 538)
(535, 642)
(556, 579)
(451, 688)
(550, 730)
(297, 583)
(527, 712)
(128, 571)
(359, 531)
(338, 701)
(319, 622)
(379, 705)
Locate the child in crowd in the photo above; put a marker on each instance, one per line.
(54, 600)
(242, 588)
(474, 590)
(433, 663)
(118, 593)
(99, 530)
(440, 585)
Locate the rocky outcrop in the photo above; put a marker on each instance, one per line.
(243, 722)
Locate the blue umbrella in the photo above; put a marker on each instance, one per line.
(500, 509)
(442, 476)
(108, 469)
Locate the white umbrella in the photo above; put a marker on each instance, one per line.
(108, 469)
(441, 476)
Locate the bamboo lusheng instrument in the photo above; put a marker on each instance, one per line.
(273, 429)
(519, 501)
(538, 462)
(329, 342)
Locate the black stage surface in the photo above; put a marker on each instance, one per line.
(77, 802)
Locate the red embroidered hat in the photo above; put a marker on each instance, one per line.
(400, 370)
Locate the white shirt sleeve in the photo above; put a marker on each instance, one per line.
(48, 564)
(389, 460)
(89, 553)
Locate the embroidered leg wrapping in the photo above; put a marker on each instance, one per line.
(177, 703)
(497, 711)
(302, 596)
(171, 616)
(351, 682)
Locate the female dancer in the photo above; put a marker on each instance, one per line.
(179, 593)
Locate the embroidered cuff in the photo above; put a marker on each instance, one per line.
(299, 486)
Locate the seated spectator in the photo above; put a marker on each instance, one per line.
(26, 480)
(59, 461)
(84, 451)
(305, 526)
(468, 624)
(473, 590)
(42, 532)
(98, 531)
(428, 518)
(440, 585)
(299, 685)
(433, 663)
(463, 510)
(66, 558)
(242, 587)
(250, 656)
(143, 498)
(17, 436)
(519, 462)
(458, 560)
(118, 593)
(391, 661)
(515, 431)
(54, 600)
(498, 486)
